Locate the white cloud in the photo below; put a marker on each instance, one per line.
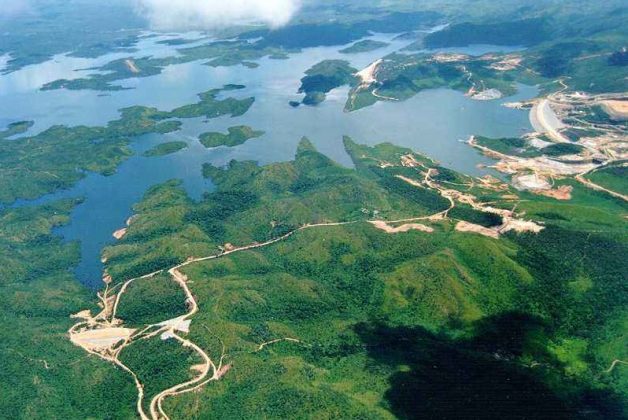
(13, 8)
(207, 14)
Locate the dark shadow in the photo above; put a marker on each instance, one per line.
(477, 378)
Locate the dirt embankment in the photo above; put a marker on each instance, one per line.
(463, 226)
(510, 62)
(617, 110)
(119, 234)
(367, 75)
(544, 120)
(382, 225)
(487, 95)
(101, 339)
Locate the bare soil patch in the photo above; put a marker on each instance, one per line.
(618, 110)
(463, 226)
(119, 234)
(382, 225)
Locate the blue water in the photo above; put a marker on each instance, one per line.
(432, 122)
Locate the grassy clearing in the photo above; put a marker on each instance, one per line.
(613, 178)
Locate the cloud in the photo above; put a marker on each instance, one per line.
(13, 8)
(207, 14)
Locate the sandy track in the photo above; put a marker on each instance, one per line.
(156, 408)
(615, 363)
(581, 178)
(278, 340)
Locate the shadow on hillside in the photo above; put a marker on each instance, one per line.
(478, 378)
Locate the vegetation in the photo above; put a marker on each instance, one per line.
(364, 46)
(402, 76)
(554, 60)
(32, 38)
(584, 51)
(150, 301)
(60, 156)
(517, 146)
(116, 70)
(304, 35)
(475, 216)
(159, 364)
(612, 177)
(43, 375)
(323, 77)
(219, 53)
(236, 135)
(166, 148)
(561, 149)
(446, 324)
(512, 146)
(211, 107)
(520, 32)
(15, 129)
(274, 44)
(375, 312)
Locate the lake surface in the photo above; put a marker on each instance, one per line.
(433, 122)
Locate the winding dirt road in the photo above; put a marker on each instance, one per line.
(105, 322)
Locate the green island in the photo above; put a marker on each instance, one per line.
(37, 37)
(275, 44)
(221, 53)
(166, 148)
(60, 156)
(364, 46)
(323, 77)
(235, 136)
(16, 128)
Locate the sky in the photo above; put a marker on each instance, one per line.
(12, 8)
(207, 14)
(185, 14)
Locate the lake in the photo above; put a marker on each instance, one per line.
(433, 122)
